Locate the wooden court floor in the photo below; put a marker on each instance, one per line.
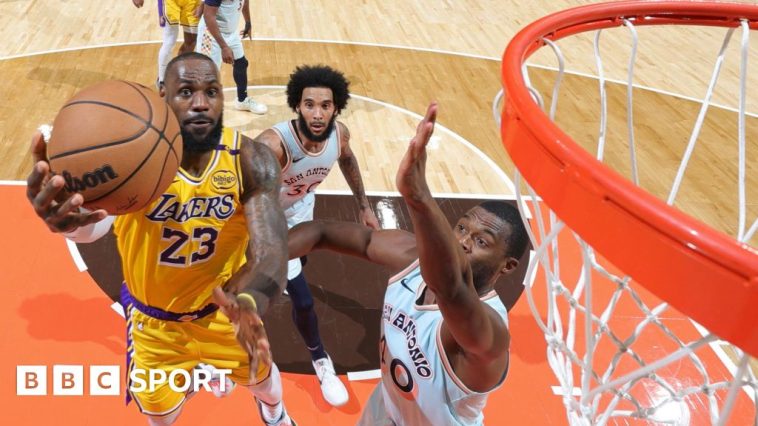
(414, 52)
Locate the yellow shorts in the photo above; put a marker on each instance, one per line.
(171, 345)
(179, 12)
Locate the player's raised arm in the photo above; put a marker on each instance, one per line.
(393, 248)
(475, 327)
(352, 173)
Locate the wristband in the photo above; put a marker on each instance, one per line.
(249, 298)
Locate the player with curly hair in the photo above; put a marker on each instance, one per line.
(307, 148)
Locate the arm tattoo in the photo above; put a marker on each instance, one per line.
(267, 251)
(350, 169)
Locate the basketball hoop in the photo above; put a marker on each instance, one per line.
(608, 217)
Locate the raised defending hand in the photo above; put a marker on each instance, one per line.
(249, 328)
(369, 219)
(46, 194)
(410, 179)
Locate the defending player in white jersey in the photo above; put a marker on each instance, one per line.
(220, 40)
(445, 340)
(307, 149)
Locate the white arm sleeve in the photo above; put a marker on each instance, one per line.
(91, 232)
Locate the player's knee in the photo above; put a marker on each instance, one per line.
(300, 294)
(302, 306)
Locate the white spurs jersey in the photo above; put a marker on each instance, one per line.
(418, 384)
(228, 15)
(304, 170)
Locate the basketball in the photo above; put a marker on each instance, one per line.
(118, 144)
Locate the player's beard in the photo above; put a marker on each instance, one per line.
(482, 274)
(191, 143)
(302, 125)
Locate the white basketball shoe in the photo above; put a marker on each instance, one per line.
(250, 105)
(331, 386)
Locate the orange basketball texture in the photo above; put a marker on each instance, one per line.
(118, 144)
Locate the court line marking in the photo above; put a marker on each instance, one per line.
(364, 375)
(388, 46)
(268, 39)
(509, 197)
(119, 309)
(78, 260)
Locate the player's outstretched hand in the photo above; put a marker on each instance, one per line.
(50, 201)
(249, 328)
(410, 179)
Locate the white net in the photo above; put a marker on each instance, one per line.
(620, 354)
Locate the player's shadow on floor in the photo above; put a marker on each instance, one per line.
(349, 332)
(64, 318)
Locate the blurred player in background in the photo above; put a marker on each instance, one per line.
(220, 39)
(307, 148)
(171, 15)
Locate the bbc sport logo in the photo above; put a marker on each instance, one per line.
(105, 380)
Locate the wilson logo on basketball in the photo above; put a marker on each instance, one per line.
(223, 179)
(88, 180)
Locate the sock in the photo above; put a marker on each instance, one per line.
(239, 71)
(269, 394)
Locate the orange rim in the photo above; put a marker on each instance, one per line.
(704, 273)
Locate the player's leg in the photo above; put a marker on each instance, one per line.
(170, 35)
(304, 314)
(166, 420)
(218, 346)
(268, 397)
(190, 40)
(169, 14)
(189, 24)
(239, 72)
(374, 411)
(207, 45)
(155, 350)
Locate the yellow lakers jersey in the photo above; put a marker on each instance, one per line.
(191, 239)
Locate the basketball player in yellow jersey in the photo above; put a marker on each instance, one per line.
(218, 224)
(171, 15)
